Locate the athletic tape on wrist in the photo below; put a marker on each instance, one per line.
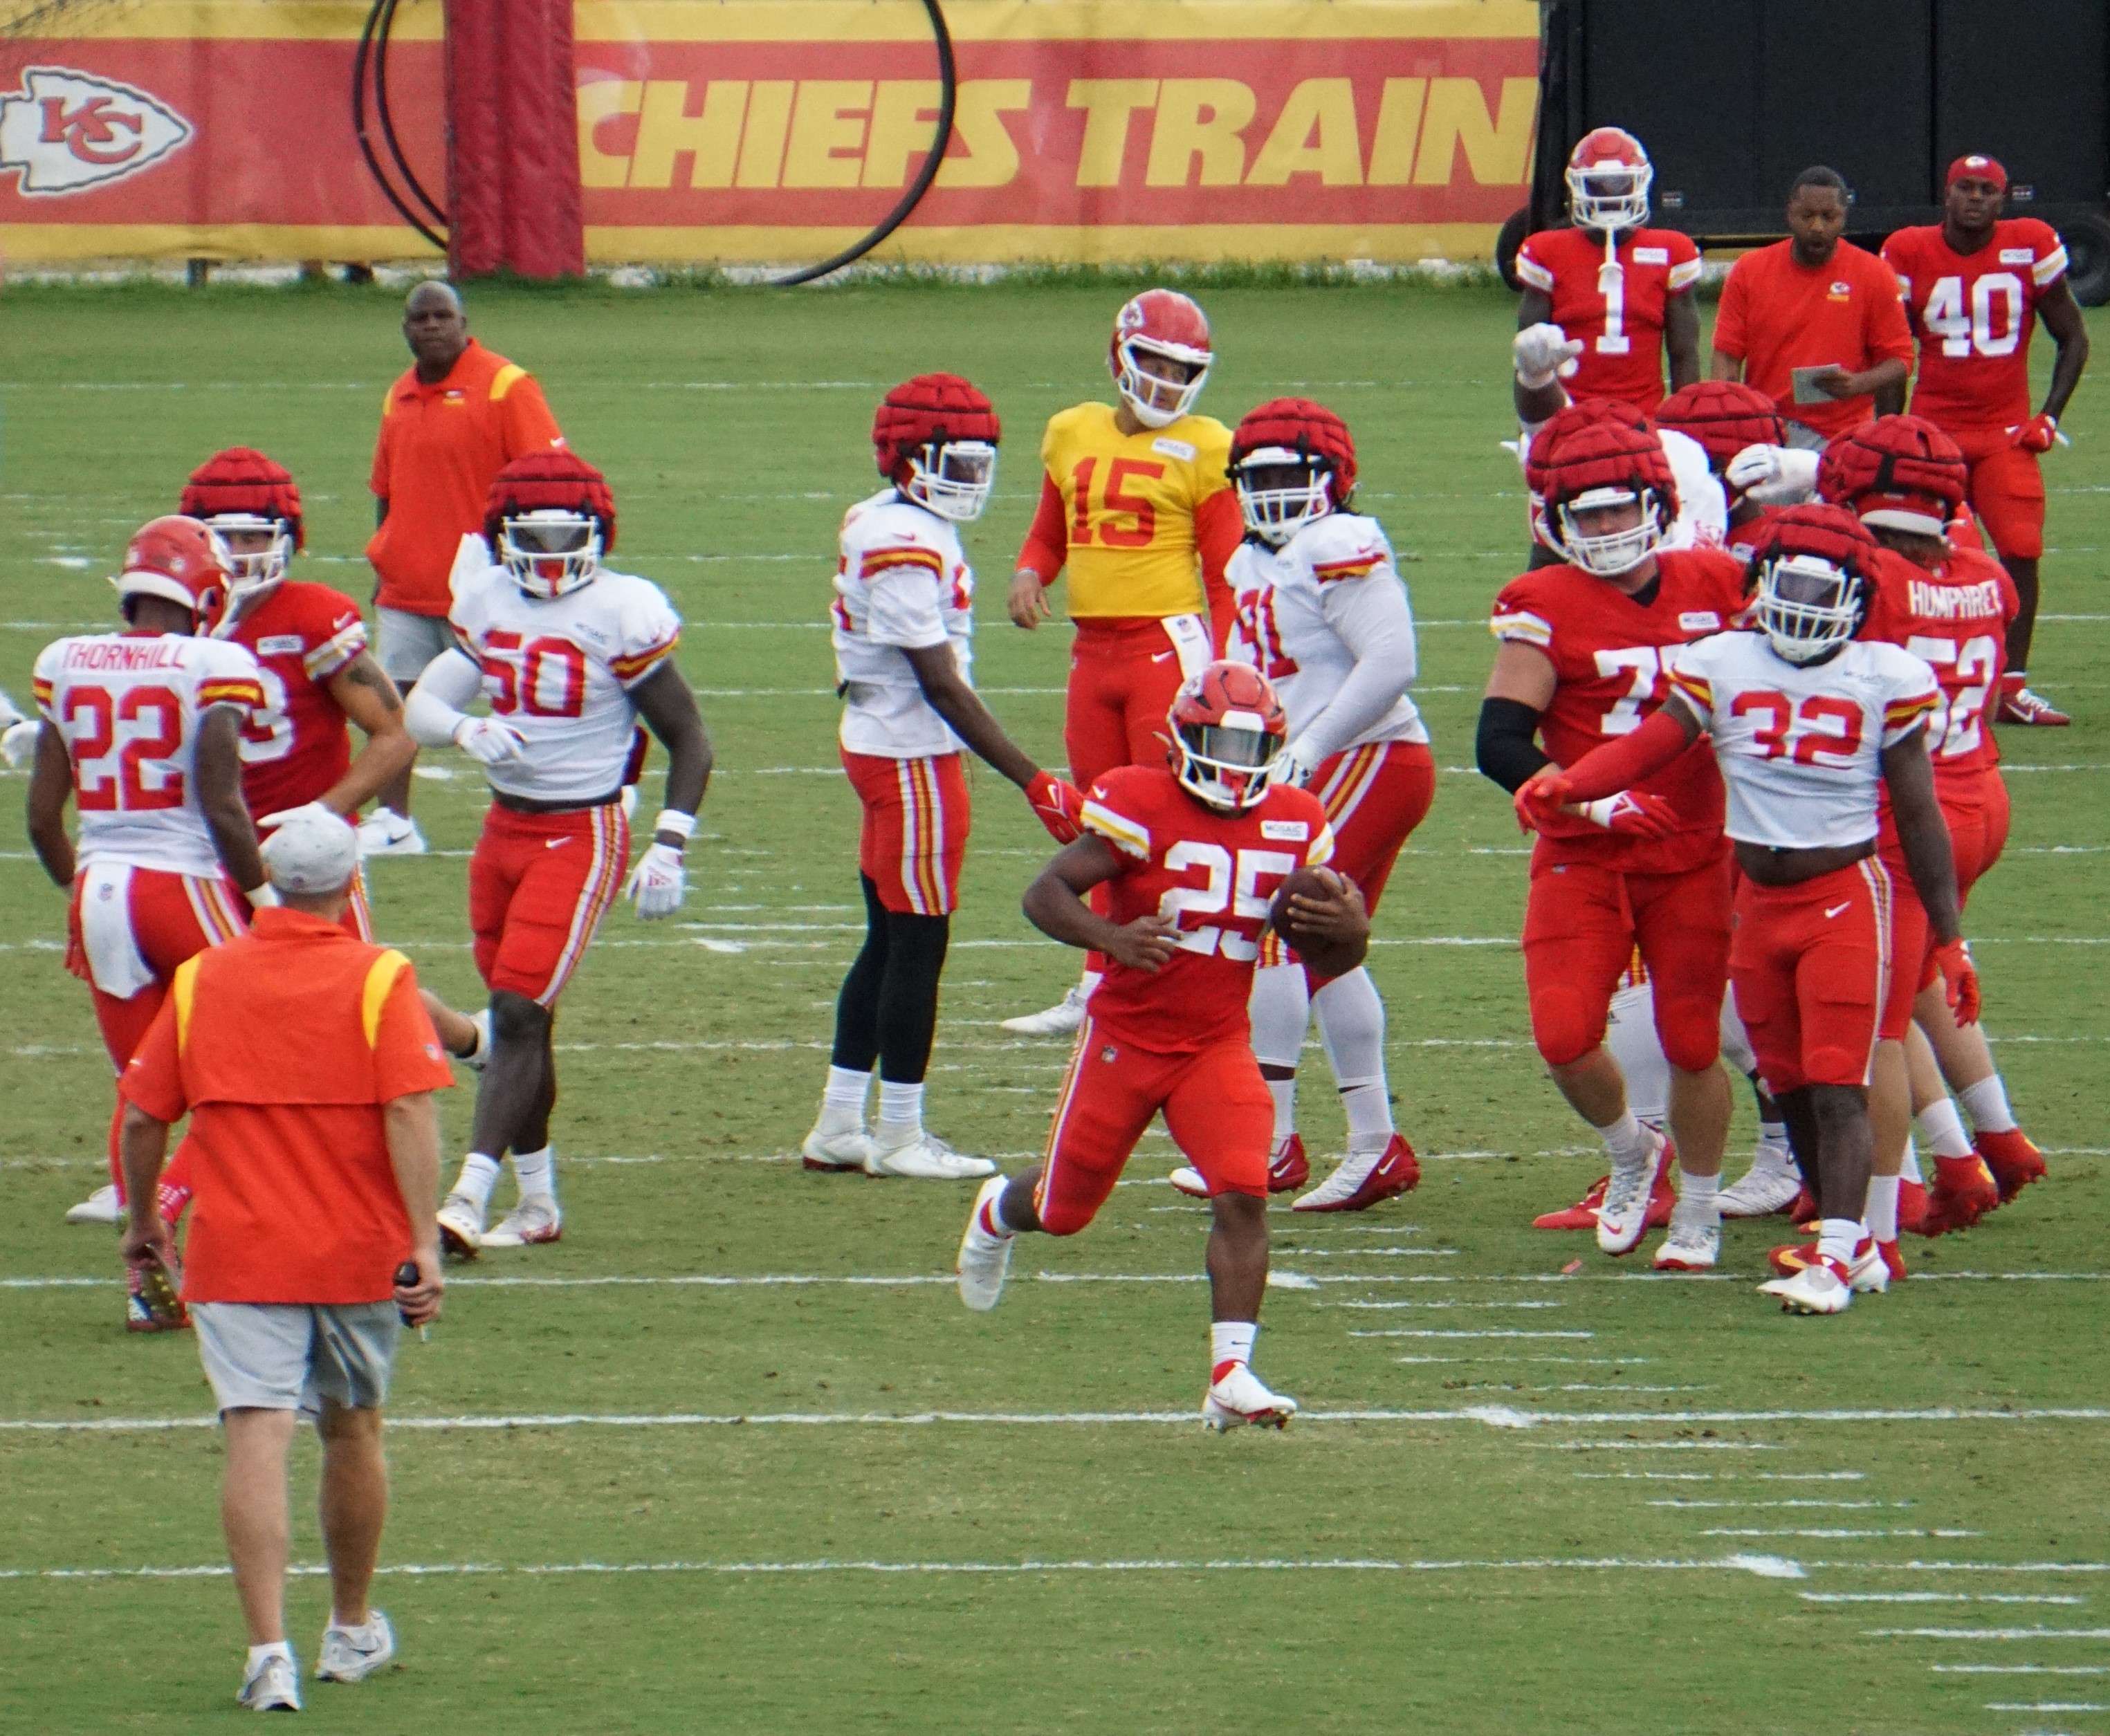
(673, 820)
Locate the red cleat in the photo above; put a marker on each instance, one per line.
(1582, 1214)
(1362, 1182)
(2014, 1161)
(2019, 705)
(1290, 1170)
(1803, 1214)
(1912, 1206)
(1963, 1191)
(1870, 1269)
(1893, 1260)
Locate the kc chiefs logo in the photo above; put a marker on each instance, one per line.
(64, 131)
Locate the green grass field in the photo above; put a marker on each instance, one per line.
(746, 1464)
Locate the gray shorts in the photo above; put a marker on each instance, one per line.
(403, 642)
(1801, 437)
(289, 1356)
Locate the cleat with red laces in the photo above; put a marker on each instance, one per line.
(2014, 1160)
(2019, 705)
(1868, 1271)
(1582, 1214)
(1364, 1179)
(1911, 1205)
(1963, 1191)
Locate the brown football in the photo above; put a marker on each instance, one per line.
(1329, 960)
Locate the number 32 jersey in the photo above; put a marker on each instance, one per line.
(1215, 875)
(560, 671)
(1612, 655)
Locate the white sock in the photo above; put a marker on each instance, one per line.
(1089, 981)
(1986, 1103)
(1839, 1237)
(1368, 1105)
(1628, 1140)
(1698, 1191)
(1284, 1093)
(1230, 1341)
(1883, 1207)
(479, 1175)
(1773, 1133)
(1942, 1128)
(846, 1091)
(537, 1171)
(988, 1224)
(1911, 1172)
(1351, 1027)
(901, 1103)
(273, 1648)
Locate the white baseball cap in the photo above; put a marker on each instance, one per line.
(313, 850)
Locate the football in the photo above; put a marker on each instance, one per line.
(1328, 958)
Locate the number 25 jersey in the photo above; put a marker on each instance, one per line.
(560, 671)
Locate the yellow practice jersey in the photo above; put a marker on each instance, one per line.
(1130, 502)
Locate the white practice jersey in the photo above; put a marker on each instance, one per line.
(128, 706)
(560, 671)
(1800, 744)
(1310, 613)
(1703, 505)
(901, 584)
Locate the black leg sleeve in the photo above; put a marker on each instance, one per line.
(908, 995)
(857, 1007)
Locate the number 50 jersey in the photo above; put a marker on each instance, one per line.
(560, 671)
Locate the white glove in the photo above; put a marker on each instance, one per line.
(1544, 352)
(272, 822)
(1294, 765)
(656, 883)
(1773, 475)
(18, 742)
(489, 741)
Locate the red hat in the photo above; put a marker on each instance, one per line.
(1985, 168)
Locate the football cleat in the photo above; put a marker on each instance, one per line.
(1768, 1188)
(985, 1257)
(2012, 1157)
(1869, 1270)
(2019, 705)
(1188, 1179)
(1911, 1205)
(1819, 1288)
(1963, 1191)
(1582, 1215)
(1289, 1169)
(100, 1207)
(1803, 1213)
(1364, 1179)
(834, 1153)
(385, 832)
(1237, 1398)
(272, 1684)
(1059, 1021)
(912, 1155)
(1894, 1261)
(154, 1298)
(353, 1654)
(534, 1220)
(140, 1315)
(475, 1059)
(1630, 1200)
(1689, 1246)
(460, 1219)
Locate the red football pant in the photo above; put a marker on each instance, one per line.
(1976, 807)
(538, 886)
(1583, 924)
(2006, 490)
(1124, 675)
(1215, 1105)
(1810, 964)
(914, 837)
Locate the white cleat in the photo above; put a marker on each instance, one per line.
(476, 1059)
(1623, 1217)
(273, 1685)
(1695, 1246)
(353, 1654)
(99, 1207)
(984, 1259)
(536, 1219)
(1059, 1021)
(1239, 1399)
(1189, 1181)
(849, 1149)
(915, 1155)
(1819, 1288)
(385, 832)
(460, 1219)
(1767, 1187)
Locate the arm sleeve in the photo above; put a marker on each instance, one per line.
(44, 680)
(338, 636)
(1046, 543)
(231, 677)
(1729, 336)
(432, 710)
(1102, 815)
(525, 422)
(1618, 764)
(1505, 749)
(1370, 617)
(1532, 270)
(2050, 263)
(154, 1079)
(1909, 703)
(1684, 264)
(407, 1056)
(650, 631)
(1218, 530)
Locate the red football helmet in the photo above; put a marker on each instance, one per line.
(254, 505)
(1724, 417)
(1608, 180)
(179, 560)
(936, 438)
(1898, 472)
(1600, 452)
(550, 518)
(1815, 571)
(1227, 727)
(1304, 455)
(1160, 326)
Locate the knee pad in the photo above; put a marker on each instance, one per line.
(1692, 1033)
(1565, 1025)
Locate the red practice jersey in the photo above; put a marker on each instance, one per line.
(1954, 619)
(1622, 331)
(1215, 875)
(1973, 314)
(1612, 655)
(299, 744)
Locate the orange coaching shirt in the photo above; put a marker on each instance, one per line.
(440, 445)
(285, 1046)
(1778, 315)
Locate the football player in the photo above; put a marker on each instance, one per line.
(1806, 721)
(1583, 659)
(903, 618)
(1136, 510)
(1192, 857)
(142, 730)
(1619, 291)
(1323, 614)
(571, 656)
(1975, 285)
(1700, 519)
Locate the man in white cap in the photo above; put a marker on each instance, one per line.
(306, 1063)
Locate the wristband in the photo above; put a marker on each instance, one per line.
(1598, 812)
(673, 820)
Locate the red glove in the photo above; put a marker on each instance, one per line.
(1057, 806)
(2036, 435)
(1541, 796)
(1633, 813)
(1959, 980)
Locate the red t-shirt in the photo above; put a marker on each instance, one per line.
(1955, 619)
(298, 745)
(1778, 315)
(1215, 875)
(285, 1046)
(1973, 314)
(1622, 333)
(1611, 655)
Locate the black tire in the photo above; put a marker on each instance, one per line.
(2088, 259)
(1507, 241)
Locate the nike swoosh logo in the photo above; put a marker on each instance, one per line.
(1839, 909)
(558, 844)
(1159, 657)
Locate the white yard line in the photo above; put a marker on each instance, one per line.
(1830, 1531)
(1935, 1596)
(2020, 1669)
(1862, 1505)
(2001, 1633)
